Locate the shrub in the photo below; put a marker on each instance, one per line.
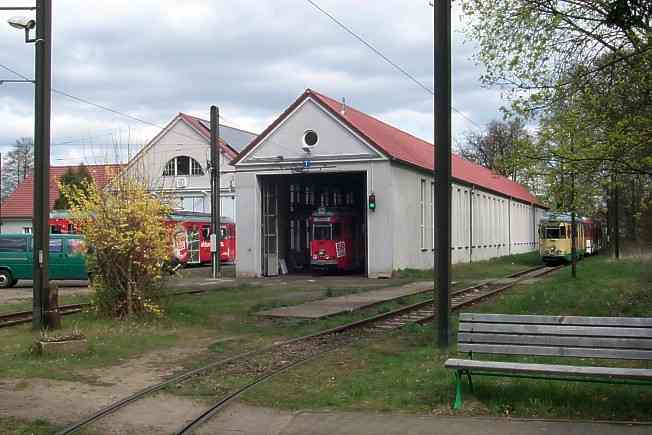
(124, 226)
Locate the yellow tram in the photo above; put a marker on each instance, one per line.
(555, 238)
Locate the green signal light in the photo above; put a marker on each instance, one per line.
(372, 202)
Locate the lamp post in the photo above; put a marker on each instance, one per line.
(42, 99)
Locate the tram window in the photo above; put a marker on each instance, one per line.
(555, 233)
(206, 233)
(337, 231)
(224, 233)
(321, 232)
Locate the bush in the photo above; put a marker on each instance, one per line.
(125, 227)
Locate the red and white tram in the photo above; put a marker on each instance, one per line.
(190, 236)
(335, 243)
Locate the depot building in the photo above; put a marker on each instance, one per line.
(321, 157)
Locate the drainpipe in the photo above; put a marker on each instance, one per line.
(471, 223)
(509, 226)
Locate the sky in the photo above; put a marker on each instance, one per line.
(154, 58)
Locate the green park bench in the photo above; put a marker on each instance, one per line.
(622, 338)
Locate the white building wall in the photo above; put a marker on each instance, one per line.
(380, 244)
(182, 140)
(480, 222)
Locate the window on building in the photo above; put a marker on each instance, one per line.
(182, 165)
(27, 230)
(422, 209)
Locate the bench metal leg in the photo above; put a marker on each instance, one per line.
(468, 375)
(458, 390)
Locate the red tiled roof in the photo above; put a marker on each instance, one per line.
(199, 126)
(404, 147)
(20, 203)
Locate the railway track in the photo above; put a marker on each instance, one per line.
(22, 317)
(277, 358)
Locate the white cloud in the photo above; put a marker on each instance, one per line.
(154, 58)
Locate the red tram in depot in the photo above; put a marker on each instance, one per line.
(190, 236)
(334, 244)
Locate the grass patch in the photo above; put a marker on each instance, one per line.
(467, 272)
(15, 426)
(405, 371)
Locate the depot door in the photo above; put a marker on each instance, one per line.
(270, 228)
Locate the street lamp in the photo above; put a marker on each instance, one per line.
(26, 24)
(42, 100)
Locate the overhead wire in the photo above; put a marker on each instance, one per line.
(386, 58)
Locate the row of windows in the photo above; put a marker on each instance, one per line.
(182, 165)
(490, 217)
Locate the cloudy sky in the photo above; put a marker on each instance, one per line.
(154, 58)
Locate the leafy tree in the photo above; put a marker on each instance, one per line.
(18, 164)
(79, 177)
(533, 45)
(125, 226)
(496, 147)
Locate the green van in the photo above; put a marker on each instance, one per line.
(65, 261)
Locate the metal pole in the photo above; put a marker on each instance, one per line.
(1, 197)
(215, 190)
(41, 234)
(442, 168)
(616, 219)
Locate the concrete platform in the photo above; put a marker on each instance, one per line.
(243, 419)
(345, 304)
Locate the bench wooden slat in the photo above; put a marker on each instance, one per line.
(557, 320)
(549, 369)
(555, 340)
(582, 352)
(588, 331)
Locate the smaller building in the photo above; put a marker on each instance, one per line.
(175, 164)
(17, 209)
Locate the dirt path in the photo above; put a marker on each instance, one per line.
(64, 402)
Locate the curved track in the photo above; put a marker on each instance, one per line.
(280, 357)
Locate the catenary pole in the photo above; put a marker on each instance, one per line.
(215, 191)
(442, 168)
(42, 100)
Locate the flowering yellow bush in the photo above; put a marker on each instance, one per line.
(124, 226)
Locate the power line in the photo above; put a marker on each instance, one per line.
(99, 106)
(386, 58)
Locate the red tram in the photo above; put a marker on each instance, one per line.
(335, 243)
(593, 235)
(191, 236)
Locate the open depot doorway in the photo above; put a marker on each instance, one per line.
(289, 201)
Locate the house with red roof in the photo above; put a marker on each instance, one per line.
(174, 163)
(323, 154)
(17, 209)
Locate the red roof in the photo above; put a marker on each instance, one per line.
(20, 203)
(404, 147)
(201, 128)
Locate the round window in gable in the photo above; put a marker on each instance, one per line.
(310, 138)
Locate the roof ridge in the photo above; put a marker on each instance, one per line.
(372, 117)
